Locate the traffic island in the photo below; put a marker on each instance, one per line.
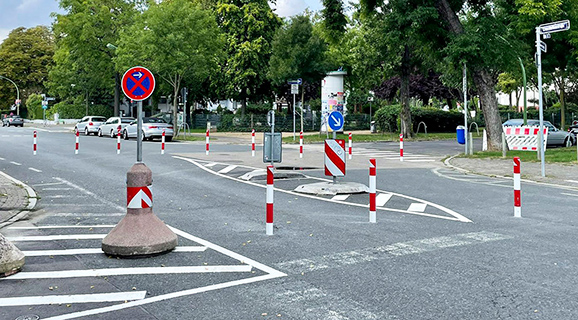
(140, 232)
(11, 258)
(331, 189)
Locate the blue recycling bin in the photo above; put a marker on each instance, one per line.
(461, 134)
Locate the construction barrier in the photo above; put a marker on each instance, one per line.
(517, 189)
(401, 147)
(163, 142)
(269, 209)
(301, 144)
(34, 143)
(253, 143)
(207, 143)
(350, 149)
(372, 190)
(77, 139)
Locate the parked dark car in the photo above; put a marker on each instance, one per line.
(13, 120)
(556, 137)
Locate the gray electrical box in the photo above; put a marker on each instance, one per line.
(272, 148)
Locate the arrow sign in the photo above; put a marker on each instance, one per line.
(139, 197)
(335, 121)
(555, 26)
(543, 46)
(298, 81)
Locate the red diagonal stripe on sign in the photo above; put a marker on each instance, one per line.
(338, 161)
(137, 83)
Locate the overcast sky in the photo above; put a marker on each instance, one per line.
(30, 13)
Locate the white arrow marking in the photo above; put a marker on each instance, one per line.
(136, 202)
(138, 75)
(337, 122)
(76, 298)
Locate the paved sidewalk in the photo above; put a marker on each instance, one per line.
(16, 200)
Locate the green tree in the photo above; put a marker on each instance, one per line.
(176, 40)
(249, 27)
(334, 21)
(25, 57)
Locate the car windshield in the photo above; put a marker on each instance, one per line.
(99, 119)
(153, 120)
(127, 120)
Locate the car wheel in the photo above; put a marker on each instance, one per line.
(99, 132)
(125, 135)
(86, 131)
(8, 124)
(111, 133)
(168, 139)
(144, 137)
(568, 142)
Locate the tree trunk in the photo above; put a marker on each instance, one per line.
(406, 126)
(510, 97)
(484, 81)
(176, 88)
(117, 94)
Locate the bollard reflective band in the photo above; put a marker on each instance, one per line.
(139, 197)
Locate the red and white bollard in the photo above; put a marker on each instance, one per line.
(163, 142)
(76, 150)
(301, 144)
(34, 144)
(118, 141)
(207, 143)
(401, 147)
(350, 148)
(517, 189)
(372, 190)
(253, 143)
(270, 178)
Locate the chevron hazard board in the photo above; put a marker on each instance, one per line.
(335, 157)
(524, 138)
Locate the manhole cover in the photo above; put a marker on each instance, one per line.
(28, 317)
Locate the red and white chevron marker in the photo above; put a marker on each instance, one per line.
(163, 142)
(270, 189)
(401, 147)
(372, 189)
(118, 141)
(76, 149)
(207, 143)
(139, 197)
(301, 144)
(34, 143)
(335, 157)
(350, 149)
(517, 189)
(253, 143)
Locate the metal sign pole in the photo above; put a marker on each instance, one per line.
(541, 112)
(139, 132)
(465, 88)
(273, 134)
(293, 117)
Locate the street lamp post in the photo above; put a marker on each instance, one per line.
(17, 95)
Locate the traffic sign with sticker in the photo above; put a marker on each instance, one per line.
(138, 83)
(335, 121)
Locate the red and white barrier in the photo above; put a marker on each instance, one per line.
(270, 178)
(517, 189)
(118, 141)
(372, 190)
(207, 143)
(34, 144)
(253, 143)
(77, 137)
(350, 149)
(301, 144)
(401, 147)
(163, 142)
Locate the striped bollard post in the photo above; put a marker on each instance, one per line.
(77, 137)
(401, 147)
(253, 143)
(301, 144)
(517, 189)
(163, 142)
(372, 189)
(207, 143)
(34, 144)
(270, 178)
(350, 149)
(118, 141)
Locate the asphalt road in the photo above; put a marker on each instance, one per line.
(445, 245)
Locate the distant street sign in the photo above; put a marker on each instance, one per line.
(138, 83)
(369, 99)
(555, 26)
(272, 147)
(297, 82)
(294, 89)
(335, 121)
(543, 46)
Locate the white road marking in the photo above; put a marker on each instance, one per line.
(108, 203)
(56, 189)
(417, 207)
(34, 169)
(228, 169)
(65, 227)
(70, 252)
(58, 237)
(47, 184)
(340, 197)
(382, 199)
(210, 164)
(570, 194)
(60, 196)
(573, 181)
(16, 163)
(75, 205)
(397, 249)
(125, 271)
(94, 214)
(2, 159)
(454, 215)
(76, 298)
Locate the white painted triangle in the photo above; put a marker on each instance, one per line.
(340, 197)
(382, 199)
(417, 207)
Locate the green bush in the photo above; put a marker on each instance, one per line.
(68, 110)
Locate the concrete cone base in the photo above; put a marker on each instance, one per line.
(139, 234)
(11, 258)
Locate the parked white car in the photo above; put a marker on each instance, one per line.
(114, 125)
(151, 128)
(89, 124)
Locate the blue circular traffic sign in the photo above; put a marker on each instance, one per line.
(138, 83)
(335, 121)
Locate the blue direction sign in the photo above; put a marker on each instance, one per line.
(335, 121)
(138, 83)
(298, 81)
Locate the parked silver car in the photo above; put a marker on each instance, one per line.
(114, 125)
(13, 120)
(151, 128)
(556, 137)
(89, 124)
